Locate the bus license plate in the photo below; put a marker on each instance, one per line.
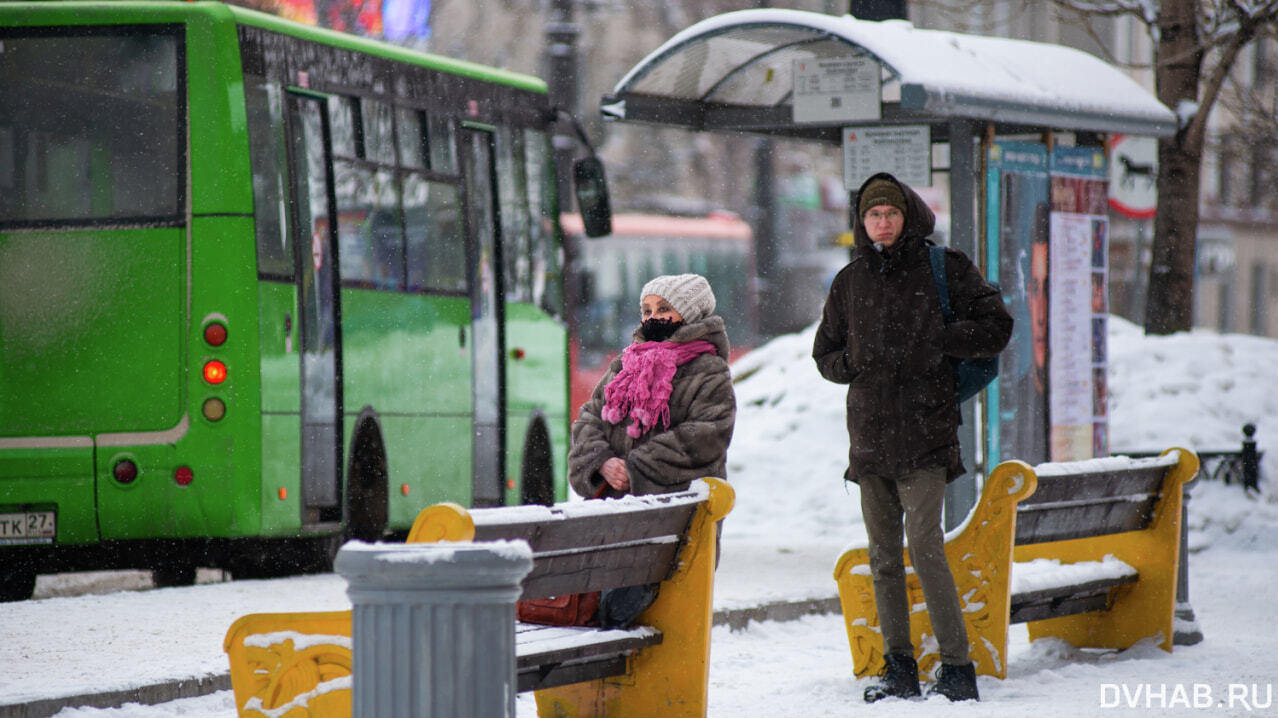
(28, 527)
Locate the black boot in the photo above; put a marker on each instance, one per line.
(958, 683)
(900, 678)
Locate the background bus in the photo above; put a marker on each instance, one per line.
(610, 272)
(198, 365)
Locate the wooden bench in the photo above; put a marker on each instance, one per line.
(1085, 551)
(299, 664)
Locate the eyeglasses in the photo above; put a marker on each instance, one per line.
(877, 216)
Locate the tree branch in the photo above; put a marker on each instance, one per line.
(1211, 86)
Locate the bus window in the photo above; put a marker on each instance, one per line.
(436, 249)
(379, 145)
(370, 242)
(107, 144)
(441, 136)
(343, 114)
(265, 107)
(546, 254)
(411, 139)
(513, 194)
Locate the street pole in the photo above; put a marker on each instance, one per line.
(561, 80)
(765, 244)
(766, 252)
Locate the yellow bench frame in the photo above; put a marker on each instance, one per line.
(981, 555)
(269, 671)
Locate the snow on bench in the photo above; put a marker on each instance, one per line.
(1087, 551)
(296, 660)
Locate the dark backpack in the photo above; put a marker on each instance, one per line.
(973, 374)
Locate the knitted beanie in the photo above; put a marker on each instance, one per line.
(880, 191)
(689, 294)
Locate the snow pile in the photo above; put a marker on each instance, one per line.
(1193, 389)
(789, 451)
(790, 448)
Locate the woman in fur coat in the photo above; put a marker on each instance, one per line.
(663, 413)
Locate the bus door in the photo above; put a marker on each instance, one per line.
(488, 341)
(317, 309)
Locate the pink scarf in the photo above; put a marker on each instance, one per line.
(641, 390)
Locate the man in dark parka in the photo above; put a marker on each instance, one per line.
(883, 334)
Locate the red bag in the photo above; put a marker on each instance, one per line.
(575, 609)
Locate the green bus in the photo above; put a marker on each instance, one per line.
(264, 287)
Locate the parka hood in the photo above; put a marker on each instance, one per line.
(919, 219)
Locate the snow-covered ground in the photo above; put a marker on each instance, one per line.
(786, 463)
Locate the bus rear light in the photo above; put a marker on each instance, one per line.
(215, 334)
(215, 372)
(214, 409)
(183, 476)
(125, 471)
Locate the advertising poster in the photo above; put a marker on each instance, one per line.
(1017, 234)
(394, 20)
(1077, 291)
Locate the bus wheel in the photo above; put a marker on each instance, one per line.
(537, 473)
(174, 572)
(366, 492)
(17, 581)
(318, 554)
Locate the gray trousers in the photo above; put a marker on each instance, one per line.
(916, 496)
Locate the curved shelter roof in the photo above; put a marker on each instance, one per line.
(734, 72)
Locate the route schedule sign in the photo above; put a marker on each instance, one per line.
(837, 90)
(903, 150)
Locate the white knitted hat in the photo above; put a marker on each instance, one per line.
(689, 294)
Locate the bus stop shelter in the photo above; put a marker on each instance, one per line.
(928, 101)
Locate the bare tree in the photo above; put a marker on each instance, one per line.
(1197, 45)
(1169, 303)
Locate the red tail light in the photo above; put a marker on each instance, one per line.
(183, 476)
(214, 372)
(215, 334)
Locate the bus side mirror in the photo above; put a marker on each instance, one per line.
(592, 196)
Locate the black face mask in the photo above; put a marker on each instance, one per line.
(659, 330)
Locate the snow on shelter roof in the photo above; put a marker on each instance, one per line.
(734, 72)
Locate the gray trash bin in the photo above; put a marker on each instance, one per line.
(433, 627)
